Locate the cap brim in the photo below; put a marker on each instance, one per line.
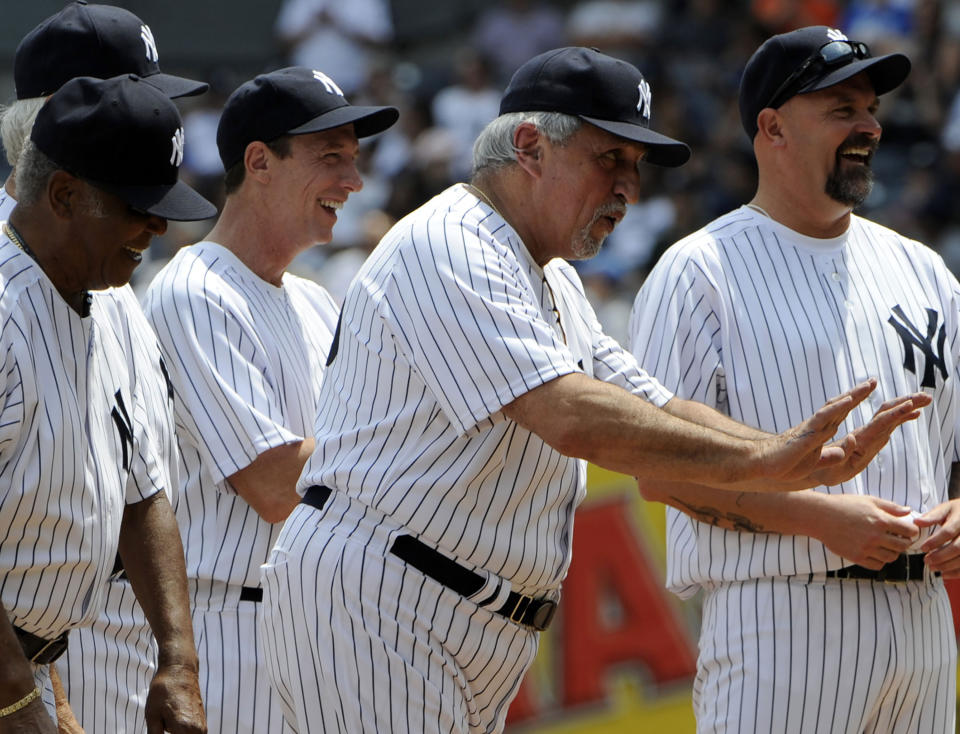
(886, 73)
(366, 120)
(176, 86)
(178, 202)
(661, 150)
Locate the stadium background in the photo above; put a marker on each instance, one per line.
(621, 655)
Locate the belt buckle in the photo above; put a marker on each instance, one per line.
(516, 615)
(56, 648)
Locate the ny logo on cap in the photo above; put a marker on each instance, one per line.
(327, 82)
(643, 103)
(834, 35)
(150, 46)
(176, 157)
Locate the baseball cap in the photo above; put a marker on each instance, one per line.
(602, 90)
(101, 41)
(291, 101)
(124, 136)
(806, 60)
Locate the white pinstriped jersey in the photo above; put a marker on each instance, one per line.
(765, 325)
(448, 321)
(72, 432)
(246, 360)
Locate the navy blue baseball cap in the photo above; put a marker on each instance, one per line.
(807, 60)
(599, 89)
(100, 41)
(124, 136)
(291, 101)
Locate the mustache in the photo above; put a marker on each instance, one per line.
(860, 140)
(610, 209)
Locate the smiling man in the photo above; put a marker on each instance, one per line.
(81, 476)
(824, 610)
(469, 376)
(246, 343)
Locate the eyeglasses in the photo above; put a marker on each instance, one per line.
(830, 55)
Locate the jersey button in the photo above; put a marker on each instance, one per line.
(835, 276)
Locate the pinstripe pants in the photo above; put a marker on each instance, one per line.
(108, 666)
(360, 642)
(237, 695)
(827, 655)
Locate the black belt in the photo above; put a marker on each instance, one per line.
(316, 496)
(536, 613)
(904, 568)
(39, 650)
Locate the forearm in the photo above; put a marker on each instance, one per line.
(152, 555)
(792, 513)
(691, 410)
(582, 417)
(269, 483)
(17, 681)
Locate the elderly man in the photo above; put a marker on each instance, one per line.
(108, 666)
(246, 344)
(823, 610)
(406, 592)
(96, 182)
(81, 40)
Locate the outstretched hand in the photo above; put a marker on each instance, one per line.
(862, 444)
(798, 452)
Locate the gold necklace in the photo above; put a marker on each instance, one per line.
(14, 237)
(484, 198)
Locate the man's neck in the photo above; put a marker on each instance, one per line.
(255, 240)
(823, 219)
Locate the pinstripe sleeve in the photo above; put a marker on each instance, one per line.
(11, 407)
(674, 325)
(497, 348)
(226, 397)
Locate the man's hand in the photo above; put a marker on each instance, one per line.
(174, 703)
(861, 445)
(865, 530)
(943, 547)
(800, 451)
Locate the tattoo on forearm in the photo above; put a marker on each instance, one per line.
(713, 516)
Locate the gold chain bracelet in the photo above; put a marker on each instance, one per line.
(22, 703)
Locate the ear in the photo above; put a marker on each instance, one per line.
(528, 147)
(770, 126)
(64, 194)
(256, 159)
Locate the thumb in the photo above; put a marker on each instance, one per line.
(892, 507)
(931, 517)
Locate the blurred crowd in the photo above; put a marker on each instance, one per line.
(691, 51)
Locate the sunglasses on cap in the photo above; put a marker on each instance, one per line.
(830, 55)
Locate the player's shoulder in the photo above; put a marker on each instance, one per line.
(446, 228)
(703, 248)
(192, 273)
(878, 234)
(19, 274)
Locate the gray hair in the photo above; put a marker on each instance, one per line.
(34, 170)
(16, 122)
(494, 146)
